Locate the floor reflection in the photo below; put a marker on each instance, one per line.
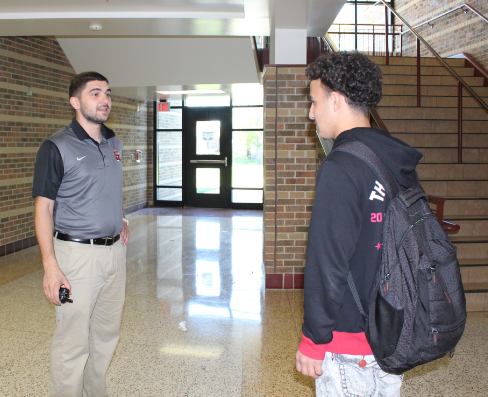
(211, 267)
(203, 267)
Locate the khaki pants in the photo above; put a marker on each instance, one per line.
(88, 329)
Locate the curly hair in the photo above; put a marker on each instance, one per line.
(351, 74)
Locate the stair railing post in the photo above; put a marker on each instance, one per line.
(401, 42)
(373, 42)
(460, 122)
(418, 73)
(356, 25)
(386, 37)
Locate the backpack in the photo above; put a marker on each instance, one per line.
(417, 309)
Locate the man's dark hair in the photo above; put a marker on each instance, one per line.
(78, 83)
(351, 74)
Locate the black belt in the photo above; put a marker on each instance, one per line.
(96, 241)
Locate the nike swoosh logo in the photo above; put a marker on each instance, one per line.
(80, 158)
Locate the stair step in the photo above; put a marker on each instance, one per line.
(428, 90)
(411, 70)
(473, 262)
(450, 155)
(435, 139)
(470, 240)
(466, 206)
(431, 80)
(435, 126)
(476, 301)
(452, 171)
(430, 113)
(476, 287)
(428, 101)
(470, 227)
(474, 274)
(427, 61)
(471, 247)
(455, 188)
(464, 218)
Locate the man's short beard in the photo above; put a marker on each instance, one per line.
(93, 119)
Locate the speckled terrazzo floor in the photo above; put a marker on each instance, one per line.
(203, 267)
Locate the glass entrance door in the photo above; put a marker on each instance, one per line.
(208, 142)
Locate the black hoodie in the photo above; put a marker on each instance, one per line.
(346, 231)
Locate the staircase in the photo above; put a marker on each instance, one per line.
(432, 129)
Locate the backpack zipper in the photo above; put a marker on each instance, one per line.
(410, 227)
(435, 332)
(447, 297)
(432, 271)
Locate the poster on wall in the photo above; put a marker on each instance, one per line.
(207, 135)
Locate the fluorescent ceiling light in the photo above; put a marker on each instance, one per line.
(192, 92)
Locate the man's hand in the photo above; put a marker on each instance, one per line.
(308, 366)
(124, 234)
(53, 279)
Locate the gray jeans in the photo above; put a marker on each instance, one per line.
(343, 377)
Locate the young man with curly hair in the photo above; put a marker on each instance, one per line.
(345, 231)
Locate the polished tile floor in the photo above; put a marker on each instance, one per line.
(203, 267)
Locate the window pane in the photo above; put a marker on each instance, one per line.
(247, 94)
(170, 160)
(208, 180)
(247, 118)
(170, 120)
(208, 137)
(247, 196)
(247, 159)
(170, 194)
(207, 100)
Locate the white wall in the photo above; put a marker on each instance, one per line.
(148, 62)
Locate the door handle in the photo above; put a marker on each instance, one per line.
(209, 161)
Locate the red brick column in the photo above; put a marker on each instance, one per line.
(295, 158)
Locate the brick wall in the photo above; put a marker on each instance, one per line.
(171, 169)
(34, 79)
(296, 162)
(452, 34)
(134, 128)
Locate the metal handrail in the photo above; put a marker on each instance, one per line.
(451, 70)
(361, 25)
(448, 12)
(330, 43)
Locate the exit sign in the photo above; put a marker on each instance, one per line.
(163, 106)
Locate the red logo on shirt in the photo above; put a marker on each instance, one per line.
(117, 155)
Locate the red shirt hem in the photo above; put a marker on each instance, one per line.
(342, 343)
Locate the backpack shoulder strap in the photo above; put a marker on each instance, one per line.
(364, 153)
(352, 286)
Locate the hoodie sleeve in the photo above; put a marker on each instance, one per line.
(333, 234)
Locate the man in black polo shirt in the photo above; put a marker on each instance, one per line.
(82, 234)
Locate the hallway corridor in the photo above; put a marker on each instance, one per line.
(203, 267)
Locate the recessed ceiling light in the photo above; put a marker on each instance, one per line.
(95, 27)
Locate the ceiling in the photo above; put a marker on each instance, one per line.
(143, 31)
